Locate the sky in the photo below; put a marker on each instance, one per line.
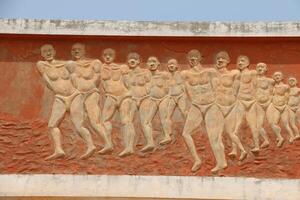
(153, 10)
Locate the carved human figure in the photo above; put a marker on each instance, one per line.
(293, 106)
(86, 78)
(199, 85)
(177, 93)
(263, 95)
(226, 92)
(138, 81)
(117, 98)
(278, 109)
(158, 93)
(246, 99)
(58, 80)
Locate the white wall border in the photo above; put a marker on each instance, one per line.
(148, 28)
(149, 186)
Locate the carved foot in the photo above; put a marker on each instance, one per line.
(218, 168)
(232, 154)
(148, 147)
(88, 152)
(291, 139)
(280, 142)
(196, 166)
(243, 155)
(55, 155)
(265, 144)
(255, 150)
(106, 150)
(297, 137)
(166, 140)
(126, 152)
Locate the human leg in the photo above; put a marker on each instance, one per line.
(127, 110)
(109, 109)
(165, 117)
(193, 121)
(214, 123)
(57, 114)
(93, 112)
(147, 111)
(273, 117)
(77, 117)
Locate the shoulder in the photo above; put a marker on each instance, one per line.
(96, 63)
(253, 72)
(124, 69)
(183, 73)
(165, 75)
(235, 72)
(271, 80)
(40, 63)
(211, 70)
(287, 86)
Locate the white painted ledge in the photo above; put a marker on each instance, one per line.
(140, 28)
(149, 186)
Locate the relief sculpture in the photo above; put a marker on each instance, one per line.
(215, 99)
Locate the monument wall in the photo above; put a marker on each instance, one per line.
(26, 105)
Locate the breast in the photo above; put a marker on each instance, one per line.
(226, 80)
(87, 73)
(52, 74)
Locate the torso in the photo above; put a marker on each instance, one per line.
(225, 92)
(139, 82)
(263, 90)
(294, 97)
(247, 86)
(159, 85)
(199, 85)
(59, 77)
(85, 76)
(279, 94)
(112, 79)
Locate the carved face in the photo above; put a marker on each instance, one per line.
(172, 65)
(221, 62)
(108, 56)
(78, 51)
(193, 60)
(153, 63)
(242, 62)
(292, 82)
(133, 62)
(48, 52)
(278, 77)
(261, 68)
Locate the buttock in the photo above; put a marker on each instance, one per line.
(226, 109)
(203, 108)
(264, 105)
(67, 100)
(138, 100)
(247, 104)
(293, 108)
(89, 93)
(176, 98)
(158, 100)
(118, 99)
(279, 108)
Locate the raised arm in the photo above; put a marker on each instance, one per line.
(236, 80)
(41, 68)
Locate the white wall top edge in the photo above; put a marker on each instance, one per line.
(149, 186)
(149, 28)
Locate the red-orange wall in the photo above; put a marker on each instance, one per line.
(23, 95)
